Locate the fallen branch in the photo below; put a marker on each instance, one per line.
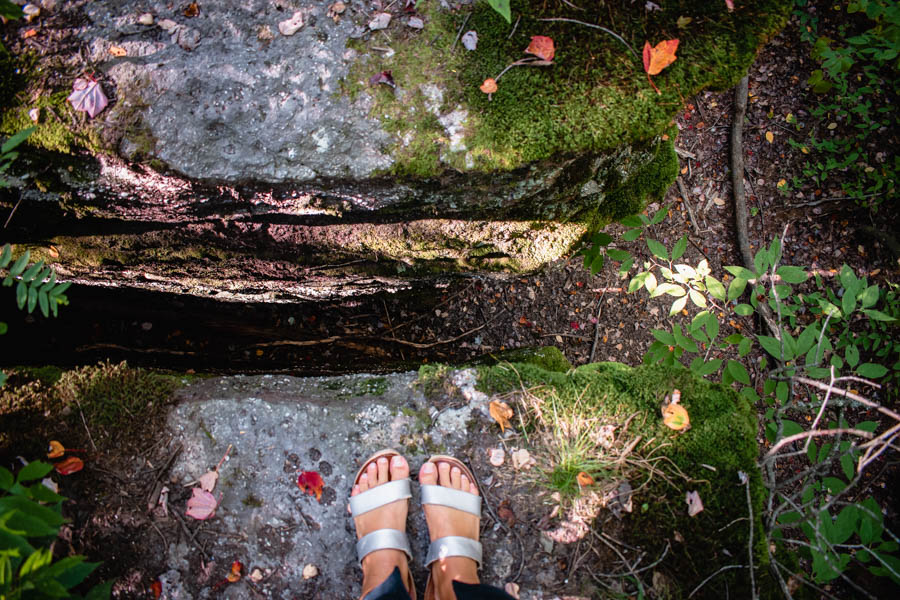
(805, 434)
(687, 202)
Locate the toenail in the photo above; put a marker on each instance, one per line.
(397, 461)
(428, 467)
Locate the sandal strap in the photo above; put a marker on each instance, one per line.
(383, 539)
(379, 495)
(444, 496)
(454, 545)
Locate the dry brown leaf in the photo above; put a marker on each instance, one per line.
(501, 413)
(310, 571)
(208, 481)
(496, 456)
(118, 51)
(521, 459)
(192, 10)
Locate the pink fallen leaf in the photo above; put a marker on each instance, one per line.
(202, 505)
(695, 505)
(88, 96)
(208, 481)
(542, 47)
(730, 5)
(384, 77)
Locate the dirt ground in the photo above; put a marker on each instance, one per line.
(589, 318)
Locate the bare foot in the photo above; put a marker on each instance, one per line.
(444, 521)
(378, 565)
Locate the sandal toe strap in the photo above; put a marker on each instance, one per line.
(380, 495)
(383, 539)
(445, 496)
(454, 545)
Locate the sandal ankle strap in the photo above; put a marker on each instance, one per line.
(454, 545)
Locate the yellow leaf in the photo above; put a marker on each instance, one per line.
(781, 183)
(501, 413)
(675, 416)
(770, 137)
(56, 449)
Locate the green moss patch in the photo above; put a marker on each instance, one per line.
(594, 98)
(563, 413)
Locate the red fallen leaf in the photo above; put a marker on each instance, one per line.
(70, 465)
(505, 512)
(311, 483)
(201, 505)
(542, 47)
(156, 589)
(658, 58)
(574, 325)
(384, 77)
(236, 570)
(489, 86)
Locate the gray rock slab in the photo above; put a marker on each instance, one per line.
(279, 426)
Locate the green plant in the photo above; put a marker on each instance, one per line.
(857, 66)
(30, 519)
(597, 251)
(502, 8)
(8, 153)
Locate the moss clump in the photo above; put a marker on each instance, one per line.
(549, 358)
(53, 132)
(707, 458)
(594, 98)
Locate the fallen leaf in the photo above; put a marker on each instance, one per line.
(512, 588)
(676, 417)
(521, 459)
(118, 51)
(208, 481)
(35, 114)
(29, 33)
(384, 77)
(505, 512)
(256, 576)
(501, 413)
(542, 47)
(168, 25)
(56, 449)
(201, 505)
(291, 26)
(730, 5)
(70, 465)
(683, 22)
(235, 574)
(87, 96)
(156, 589)
(496, 456)
(770, 137)
(192, 10)
(311, 483)
(470, 40)
(584, 479)
(695, 505)
(658, 58)
(415, 23)
(310, 571)
(380, 21)
(489, 86)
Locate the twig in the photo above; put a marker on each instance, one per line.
(687, 203)
(604, 29)
(190, 534)
(745, 481)
(705, 581)
(685, 153)
(619, 554)
(805, 434)
(508, 529)
(597, 326)
(740, 201)
(650, 566)
(86, 428)
(459, 33)
(165, 542)
(849, 394)
(13, 211)
(511, 33)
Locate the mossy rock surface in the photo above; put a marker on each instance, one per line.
(711, 455)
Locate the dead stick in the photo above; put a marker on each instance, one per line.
(740, 200)
(13, 211)
(687, 203)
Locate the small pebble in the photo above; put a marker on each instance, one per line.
(292, 25)
(146, 19)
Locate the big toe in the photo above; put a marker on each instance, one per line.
(399, 468)
(428, 474)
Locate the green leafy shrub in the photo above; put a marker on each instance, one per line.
(30, 519)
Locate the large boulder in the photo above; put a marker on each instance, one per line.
(302, 138)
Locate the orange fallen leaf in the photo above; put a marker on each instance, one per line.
(770, 137)
(56, 449)
(70, 465)
(542, 47)
(584, 479)
(675, 417)
(501, 413)
(192, 10)
(117, 51)
(658, 58)
(235, 574)
(156, 589)
(311, 483)
(489, 86)
(29, 33)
